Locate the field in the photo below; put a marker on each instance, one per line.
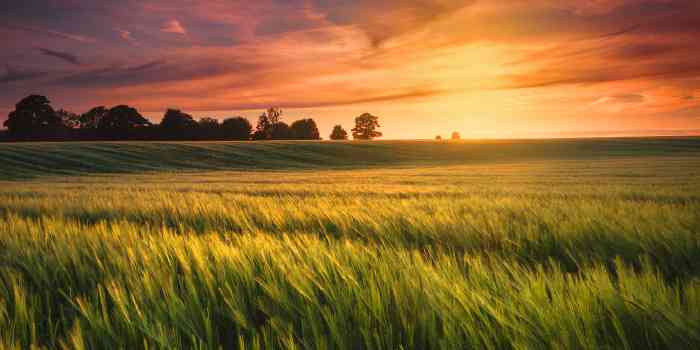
(567, 244)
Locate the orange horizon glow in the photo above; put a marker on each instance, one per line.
(488, 69)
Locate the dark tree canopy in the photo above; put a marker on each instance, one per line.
(366, 127)
(280, 131)
(35, 119)
(274, 115)
(438, 137)
(304, 129)
(208, 122)
(68, 119)
(236, 128)
(266, 122)
(176, 124)
(456, 136)
(262, 129)
(339, 133)
(176, 120)
(33, 115)
(122, 118)
(209, 129)
(91, 119)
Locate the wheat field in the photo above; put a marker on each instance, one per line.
(388, 245)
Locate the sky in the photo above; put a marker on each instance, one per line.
(487, 69)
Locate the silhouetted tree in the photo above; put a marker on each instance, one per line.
(33, 117)
(438, 137)
(91, 119)
(274, 115)
(365, 127)
(69, 120)
(209, 122)
(266, 122)
(121, 121)
(339, 133)
(456, 136)
(209, 129)
(280, 131)
(237, 128)
(177, 125)
(177, 120)
(304, 129)
(262, 129)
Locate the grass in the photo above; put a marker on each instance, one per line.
(505, 245)
(27, 160)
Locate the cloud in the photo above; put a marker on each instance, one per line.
(14, 74)
(570, 75)
(125, 34)
(642, 50)
(410, 94)
(241, 97)
(594, 70)
(619, 99)
(80, 38)
(145, 75)
(309, 53)
(56, 33)
(173, 26)
(382, 20)
(111, 76)
(65, 56)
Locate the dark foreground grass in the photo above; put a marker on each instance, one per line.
(459, 251)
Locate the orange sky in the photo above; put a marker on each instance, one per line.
(485, 68)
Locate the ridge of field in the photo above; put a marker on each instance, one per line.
(24, 160)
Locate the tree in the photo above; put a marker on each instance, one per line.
(120, 120)
(69, 120)
(339, 133)
(280, 131)
(438, 138)
(33, 116)
(266, 122)
(456, 136)
(208, 122)
(237, 128)
(91, 119)
(208, 129)
(174, 119)
(274, 115)
(259, 135)
(365, 127)
(304, 129)
(176, 124)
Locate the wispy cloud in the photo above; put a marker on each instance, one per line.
(58, 34)
(173, 26)
(65, 56)
(13, 74)
(111, 76)
(80, 38)
(619, 99)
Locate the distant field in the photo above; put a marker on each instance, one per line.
(563, 244)
(22, 160)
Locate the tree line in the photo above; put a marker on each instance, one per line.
(35, 119)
